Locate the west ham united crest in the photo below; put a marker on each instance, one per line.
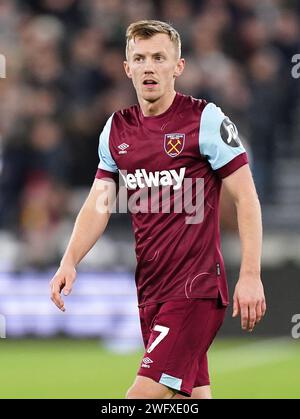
(174, 144)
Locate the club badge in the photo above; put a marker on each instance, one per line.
(174, 144)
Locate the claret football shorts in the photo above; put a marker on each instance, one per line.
(177, 335)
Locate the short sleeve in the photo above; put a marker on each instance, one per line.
(107, 167)
(219, 141)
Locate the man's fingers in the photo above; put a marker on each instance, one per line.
(244, 316)
(55, 294)
(68, 286)
(61, 282)
(258, 312)
(252, 316)
(235, 307)
(58, 301)
(263, 307)
(248, 316)
(69, 283)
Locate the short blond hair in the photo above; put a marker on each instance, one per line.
(145, 29)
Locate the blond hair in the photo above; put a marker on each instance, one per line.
(145, 29)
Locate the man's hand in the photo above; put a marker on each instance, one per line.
(249, 301)
(62, 280)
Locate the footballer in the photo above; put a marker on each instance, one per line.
(161, 142)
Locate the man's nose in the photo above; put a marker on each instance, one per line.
(148, 66)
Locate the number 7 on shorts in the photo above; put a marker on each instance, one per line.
(163, 333)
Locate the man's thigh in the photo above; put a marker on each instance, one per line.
(147, 388)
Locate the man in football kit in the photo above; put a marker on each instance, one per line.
(161, 143)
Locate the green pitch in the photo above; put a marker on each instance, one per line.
(64, 368)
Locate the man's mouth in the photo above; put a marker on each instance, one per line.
(149, 82)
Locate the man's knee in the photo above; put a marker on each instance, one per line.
(146, 388)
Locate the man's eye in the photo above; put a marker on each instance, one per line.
(159, 57)
(138, 59)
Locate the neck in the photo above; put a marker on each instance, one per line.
(159, 106)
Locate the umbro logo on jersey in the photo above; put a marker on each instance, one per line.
(122, 148)
(141, 178)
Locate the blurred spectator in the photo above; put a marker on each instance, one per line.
(39, 155)
(44, 203)
(264, 115)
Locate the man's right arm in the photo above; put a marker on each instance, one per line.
(89, 226)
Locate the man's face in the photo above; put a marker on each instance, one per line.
(153, 65)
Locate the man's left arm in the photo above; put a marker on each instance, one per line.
(249, 299)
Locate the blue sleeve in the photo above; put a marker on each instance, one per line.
(106, 160)
(218, 137)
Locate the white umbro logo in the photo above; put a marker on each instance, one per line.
(146, 361)
(122, 147)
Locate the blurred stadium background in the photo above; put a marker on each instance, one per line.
(64, 78)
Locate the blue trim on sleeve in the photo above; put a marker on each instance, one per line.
(106, 160)
(211, 144)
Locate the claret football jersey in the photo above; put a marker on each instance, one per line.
(172, 167)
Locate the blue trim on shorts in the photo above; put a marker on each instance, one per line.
(170, 381)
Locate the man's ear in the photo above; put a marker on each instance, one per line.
(179, 67)
(127, 69)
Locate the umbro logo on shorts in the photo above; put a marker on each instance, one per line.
(145, 362)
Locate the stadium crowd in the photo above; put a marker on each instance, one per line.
(65, 78)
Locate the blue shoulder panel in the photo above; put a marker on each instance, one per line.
(218, 137)
(106, 160)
